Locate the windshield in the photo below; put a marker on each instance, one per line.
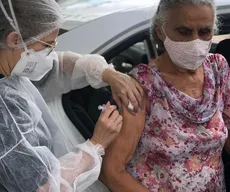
(77, 12)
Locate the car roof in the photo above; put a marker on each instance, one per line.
(91, 35)
(222, 3)
(87, 37)
(78, 12)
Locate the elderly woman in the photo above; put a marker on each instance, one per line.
(187, 110)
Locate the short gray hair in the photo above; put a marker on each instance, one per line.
(163, 7)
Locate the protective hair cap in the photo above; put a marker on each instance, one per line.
(32, 19)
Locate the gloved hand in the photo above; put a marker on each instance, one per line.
(125, 89)
(108, 126)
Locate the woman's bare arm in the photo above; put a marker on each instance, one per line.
(114, 173)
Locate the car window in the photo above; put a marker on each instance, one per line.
(216, 39)
(223, 33)
(130, 57)
(133, 50)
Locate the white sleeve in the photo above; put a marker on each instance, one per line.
(87, 70)
(72, 71)
(27, 164)
(78, 169)
(86, 166)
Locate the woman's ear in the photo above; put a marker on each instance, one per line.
(159, 33)
(13, 40)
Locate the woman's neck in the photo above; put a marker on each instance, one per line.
(5, 63)
(186, 81)
(165, 65)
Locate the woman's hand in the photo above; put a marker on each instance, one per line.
(124, 89)
(108, 126)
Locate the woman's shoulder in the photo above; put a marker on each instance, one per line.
(144, 71)
(11, 85)
(16, 104)
(14, 95)
(218, 61)
(219, 67)
(148, 77)
(8, 85)
(144, 75)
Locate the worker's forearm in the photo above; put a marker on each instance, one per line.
(122, 182)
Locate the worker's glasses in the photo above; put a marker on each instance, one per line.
(51, 46)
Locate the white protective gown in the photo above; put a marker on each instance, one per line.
(33, 155)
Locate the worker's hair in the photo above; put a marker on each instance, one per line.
(36, 19)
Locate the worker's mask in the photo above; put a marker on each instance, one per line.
(32, 64)
(187, 55)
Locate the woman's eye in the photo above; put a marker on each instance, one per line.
(185, 32)
(204, 32)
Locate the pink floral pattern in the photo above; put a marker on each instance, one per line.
(181, 145)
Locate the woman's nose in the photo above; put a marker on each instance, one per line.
(195, 35)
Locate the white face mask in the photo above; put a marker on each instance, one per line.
(34, 65)
(187, 55)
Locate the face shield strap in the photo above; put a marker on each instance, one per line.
(13, 22)
(7, 16)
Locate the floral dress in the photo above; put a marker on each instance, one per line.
(181, 145)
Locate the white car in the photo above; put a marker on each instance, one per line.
(118, 30)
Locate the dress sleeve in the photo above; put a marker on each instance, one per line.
(143, 74)
(27, 165)
(72, 71)
(224, 81)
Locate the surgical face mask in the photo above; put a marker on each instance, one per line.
(34, 65)
(187, 55)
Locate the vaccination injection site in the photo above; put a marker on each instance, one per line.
(114, 96)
